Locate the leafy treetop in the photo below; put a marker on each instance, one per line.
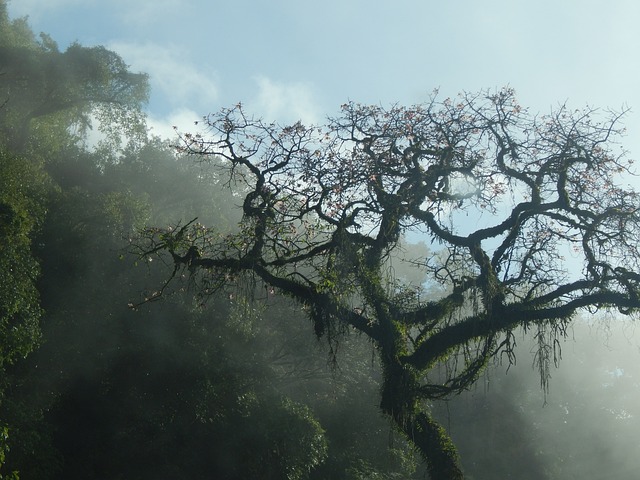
(39, 82)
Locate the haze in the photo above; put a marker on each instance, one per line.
(198, 384)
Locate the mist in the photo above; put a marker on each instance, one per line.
(584, 426)
(121, 364)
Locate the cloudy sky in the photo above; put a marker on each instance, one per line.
(296, 59)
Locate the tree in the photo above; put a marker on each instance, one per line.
(47, 101)
(136, 394)
(44, 91)
(23, 192)
(527, 222)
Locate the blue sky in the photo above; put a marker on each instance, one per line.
(296, 59)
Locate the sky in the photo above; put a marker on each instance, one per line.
(289, 60)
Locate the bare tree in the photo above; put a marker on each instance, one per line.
(525, 217)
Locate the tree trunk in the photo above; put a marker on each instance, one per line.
(435, 446)
(399, 401)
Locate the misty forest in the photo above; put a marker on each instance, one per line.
(444, 291)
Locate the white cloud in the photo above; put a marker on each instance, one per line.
(174, 80)
(138, 12)
(281, 102)
(183, 119)
(145, 13)
(37, 8)
(285, 102)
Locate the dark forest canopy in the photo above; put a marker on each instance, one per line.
(501, 194)
(44, 95)
(91, 389)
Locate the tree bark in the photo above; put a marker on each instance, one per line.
(436, 447)
(400, 402)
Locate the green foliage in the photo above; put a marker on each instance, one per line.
(281, 440)
(23, 189)
(173, 381)
(45, 92)
(312, 438)
(4, 435)
(23, 195)
(364, 470)
(15, 32)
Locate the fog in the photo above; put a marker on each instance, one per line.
(108, 370)
(585, 426)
